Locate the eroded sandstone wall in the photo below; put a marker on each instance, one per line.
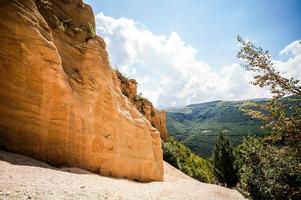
(59, 100)
(156, 117)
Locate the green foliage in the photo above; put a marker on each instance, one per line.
(258, 60)
(282, 119)
(91, 31)
(224, 162)
(268, 171)
(183, 159)
(270, 167)
(198, 126)
(285, 126)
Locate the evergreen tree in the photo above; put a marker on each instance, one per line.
(224, 162)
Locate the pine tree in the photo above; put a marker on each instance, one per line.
(224, 162)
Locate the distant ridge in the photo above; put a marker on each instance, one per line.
(198, 125)
(175, 108)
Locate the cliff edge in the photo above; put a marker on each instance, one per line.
(156, 117)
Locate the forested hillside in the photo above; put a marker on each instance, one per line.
(198, 125)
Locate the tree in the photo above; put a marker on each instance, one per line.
(284, 120)
(270, 167)
(268, 172)
(224, 162)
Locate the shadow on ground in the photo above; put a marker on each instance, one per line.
(17, 159)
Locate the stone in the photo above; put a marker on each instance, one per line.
(156, 117)
(59, 99)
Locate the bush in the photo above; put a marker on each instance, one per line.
(269, 171)
(186, 161)
(91, 31)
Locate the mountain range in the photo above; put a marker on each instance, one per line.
(198, 125)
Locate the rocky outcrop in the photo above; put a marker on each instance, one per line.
(59, 100)
(156, 117)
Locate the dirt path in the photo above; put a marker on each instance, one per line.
(25, 178)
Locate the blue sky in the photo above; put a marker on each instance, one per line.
(212, 26)
(208, 27)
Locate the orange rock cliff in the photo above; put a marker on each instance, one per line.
(156, 117)
(60, 101)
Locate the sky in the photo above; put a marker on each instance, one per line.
(184, 52)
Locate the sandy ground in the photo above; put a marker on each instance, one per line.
(22, 177)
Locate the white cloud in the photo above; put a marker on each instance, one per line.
(292, 49)
(292, 66)
(168, 70)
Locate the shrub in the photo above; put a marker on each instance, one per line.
(91, 31)
(268, 171)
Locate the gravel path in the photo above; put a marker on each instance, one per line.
(22, 177)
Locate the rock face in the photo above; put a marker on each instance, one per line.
(60, 101)
(156, 117)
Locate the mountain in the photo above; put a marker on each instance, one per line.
(198, 125)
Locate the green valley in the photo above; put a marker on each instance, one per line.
(198, 125)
